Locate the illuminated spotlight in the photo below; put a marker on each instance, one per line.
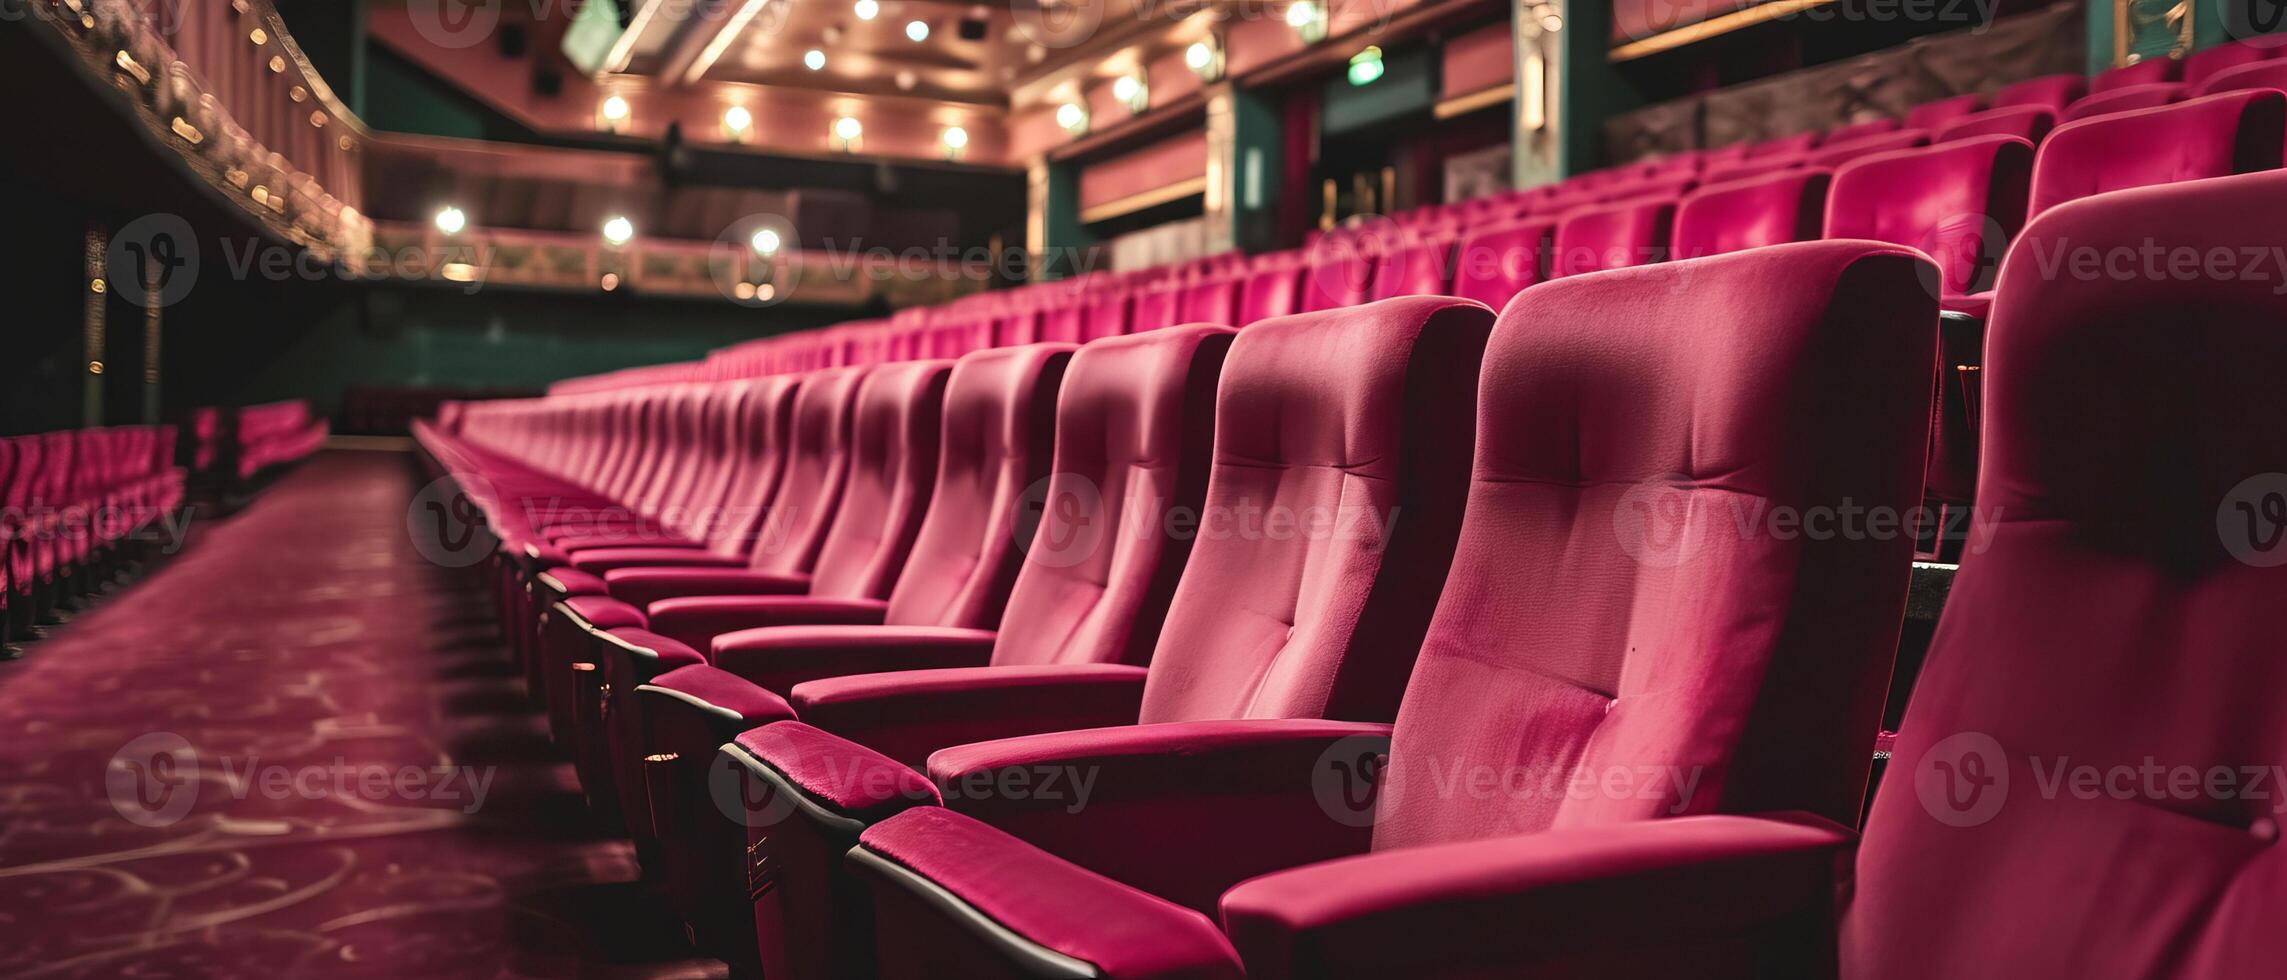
(1131, 91)
(450, 220)
(814, 59)
(744, 290)
(847, 132)
(459, 272)
(956, 139)
(614, 112)
(609, 282)
(917, 31)
(765, 241)
(619, 230)
(868, 9)
(736, 121)
(1366, 66)
(765, 292)
(1205, 59)
(1071, 118)
(1308, 18)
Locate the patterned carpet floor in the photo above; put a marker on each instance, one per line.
(297, 748)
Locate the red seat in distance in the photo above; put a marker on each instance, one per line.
(1134, 426)
(1784, 207)
(1859, 130)
(1213, 300)
(1341, 265)
(1273, 289)
(2206, 63)
(2125, 99)
(2270, 74)
(2052, 92)
(1493, 264)
(1834, 154)
(1785, 146)
(2211, 136)
(2147, 71)
(1939, 114)
(1612, 236)
(1960, 203)
(1417, 268)
(999, 424)
(2029, 123)
(1608, 612)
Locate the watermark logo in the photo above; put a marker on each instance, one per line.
(1060, 520)
(454, 24)
(446, 525)
(1347, 778)
(160, 245)
(755, 261)
(1963, 779)
(2252, 520)
(153, 779)
(1057, 23)
(1653, 523)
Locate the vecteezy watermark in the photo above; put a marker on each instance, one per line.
(158, 258)
(1665, 522)
(1355, 779)
(83, 523)
(1967, 778)
(2252, 520)
(743, 797)
(156, 779)
(1063, 520)
(1667, 15)
(2152, 260)
(447, 526)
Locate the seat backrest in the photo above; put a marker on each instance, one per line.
(1156, 307)
(1631, 594)
(2212, 136)
(2205, 63)
(2147, 71)
(1274, 290)
(2052, 92)
(1785, 146)
(1134, 424)
(2125, 99)
(1789, 206)
(1341, 454)
(1834, 154)
(2119, 612)
(785, 536)
(2257, 74)
(1494, 264)
(1961, 203)
(1612, 236)
(1859, 130)
(760, 451)
(1941, 113)
(1106, 314)
(1341, 271)
(998, 436)
(2030, 123)
(891, 452)
(1212, 301)
(1415, 269)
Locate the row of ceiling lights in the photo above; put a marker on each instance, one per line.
(618, 230)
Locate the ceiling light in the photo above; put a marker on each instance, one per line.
(917, 30)
(1131, 91)
(868, 9)
(1198, 56)
(765, 241)
(450, 220)
(619, 230)
(1308, 18)
(814, 59)
(614, 112)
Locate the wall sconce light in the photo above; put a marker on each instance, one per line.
(611, 115)
(1132, 91)
(956, 140)
(1308, 18)
(867, 9)
(1205, 58)
(847, 132)
(738, 123)
(1071, 118)
(917, 31)
(619, 231)
(451, 220)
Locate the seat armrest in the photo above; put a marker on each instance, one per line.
(602, 560)
(843, 780)
(953, 896)
(649, 653)
(1128, 802)
(908, 715)
(778, 658)
(1720, 895)
(697, 620)
(644, 586)
(569, 582)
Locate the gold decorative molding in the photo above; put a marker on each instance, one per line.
(1485, 98)
(1148, 199)
(1762, 13)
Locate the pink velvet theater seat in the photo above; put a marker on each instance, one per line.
(2205, 64)
(1612, 236)
(2211, 136)
(2147, 71)
(2051, 92)
(2269, 74)
(1789, 206)
(1495, 263)
(1134, 426)
(2029, 123)
(1961, 203)
(1605, 613)
(951, 587)
(2127, 99)
(1939, 114)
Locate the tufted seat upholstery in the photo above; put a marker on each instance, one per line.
(2211, 136)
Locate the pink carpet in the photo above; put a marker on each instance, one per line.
(265, 759)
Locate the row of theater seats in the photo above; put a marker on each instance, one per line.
(1395, 639)
(74, 502)
(247, 443)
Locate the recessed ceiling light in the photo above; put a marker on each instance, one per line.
(868, 9)
(917, 30)
(814, 59)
